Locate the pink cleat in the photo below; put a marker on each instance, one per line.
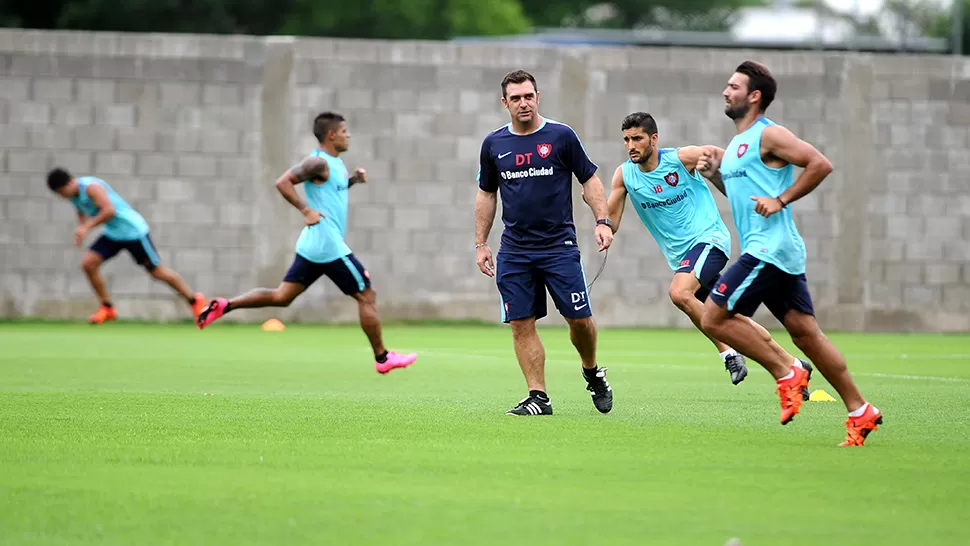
(395, 360)
(212, 312)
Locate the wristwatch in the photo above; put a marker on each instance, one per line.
(605, 221)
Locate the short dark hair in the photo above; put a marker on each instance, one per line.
(518, 76)
(58, 178)
(642, 120)
(326, 122)
(759, 79)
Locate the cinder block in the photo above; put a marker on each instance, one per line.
(29, 209)
(138, 92)
(73, 115)
(417, 170)
(56, 90)
(194, 260)
(943, 227)
(29, 113)
(904, 272)
(234, 260)
(94, 137)
(138, 139)
(14, 136)
(354, 99)
(75, 161)
(220, 141)
(109, 163)
(179, 140)
(27, 161)
(924, 251)
(238, 169)
(414, 125)
(938, 274)
(956, 251)
(196, 165)
(408, 218)
(14, 89)
(221, 94)
(180, 93)
(95, 91)
(236, 214)
(49, 137)
(117, 115)
(175, 190)
(921, 296)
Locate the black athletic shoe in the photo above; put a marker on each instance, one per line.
(808, 368)
(735, 365)
(601, 391)
(530, 405)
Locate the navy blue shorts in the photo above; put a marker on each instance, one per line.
(705, 261)
(347, 273)
(749, 282)
(142, 250)
(523, 279)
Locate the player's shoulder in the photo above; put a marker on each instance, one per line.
(559, 128)
(498, 132)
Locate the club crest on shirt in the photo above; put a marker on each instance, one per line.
(671, 179)
(741, 149)
(544, 150)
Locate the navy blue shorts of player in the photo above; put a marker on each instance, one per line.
(523, 278)
(705, 261)
(347, 273)
(749, 282)
(142, 250)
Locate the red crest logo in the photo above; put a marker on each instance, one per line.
(722, 288)
(671, 179)
(685, 262)
(741, 149)
(544, 150)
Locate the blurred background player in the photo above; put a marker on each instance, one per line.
(679, 210)
(321, 249)
(98, 203)
(756, 170)
(531, 161)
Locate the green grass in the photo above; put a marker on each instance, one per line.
(155, 434)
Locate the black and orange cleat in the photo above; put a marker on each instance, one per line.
(790, 392)
(858, 428)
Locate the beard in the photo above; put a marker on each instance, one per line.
(737, 112)
(643, 157)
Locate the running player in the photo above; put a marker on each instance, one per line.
(679, 210)
(321, 249)
(98, 203)
(756, 170)
(531, 161)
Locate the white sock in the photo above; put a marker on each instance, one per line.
(798, 363)
(728, 353)
(790, 375)
(860, 411)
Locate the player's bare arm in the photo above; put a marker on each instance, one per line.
(617, 200)
(486, 204)
(709, 165)
(697, 158)
(313, 169)
(106, 211)
(595, 196)
(779, 146)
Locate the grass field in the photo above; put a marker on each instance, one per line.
(161, 434)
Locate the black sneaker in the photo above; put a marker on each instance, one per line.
(530, 405)
(808, 368)
(601, 391)
(735, 364)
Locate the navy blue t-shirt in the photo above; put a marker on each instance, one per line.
(533, 174)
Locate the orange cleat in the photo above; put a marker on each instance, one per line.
(790, 392)
(103, 314)
(858, 428)
(199, 305)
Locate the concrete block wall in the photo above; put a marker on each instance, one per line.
(195, 129)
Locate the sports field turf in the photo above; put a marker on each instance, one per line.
(162, 434)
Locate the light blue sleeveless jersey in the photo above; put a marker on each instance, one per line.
(324, 242)
(676, 207)
(126, 225)
(775, 239)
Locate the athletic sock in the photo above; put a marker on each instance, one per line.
(539, 395)
(382, 358)
(590, 373)
(727, 353)
(107, 304)
(860, 411)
